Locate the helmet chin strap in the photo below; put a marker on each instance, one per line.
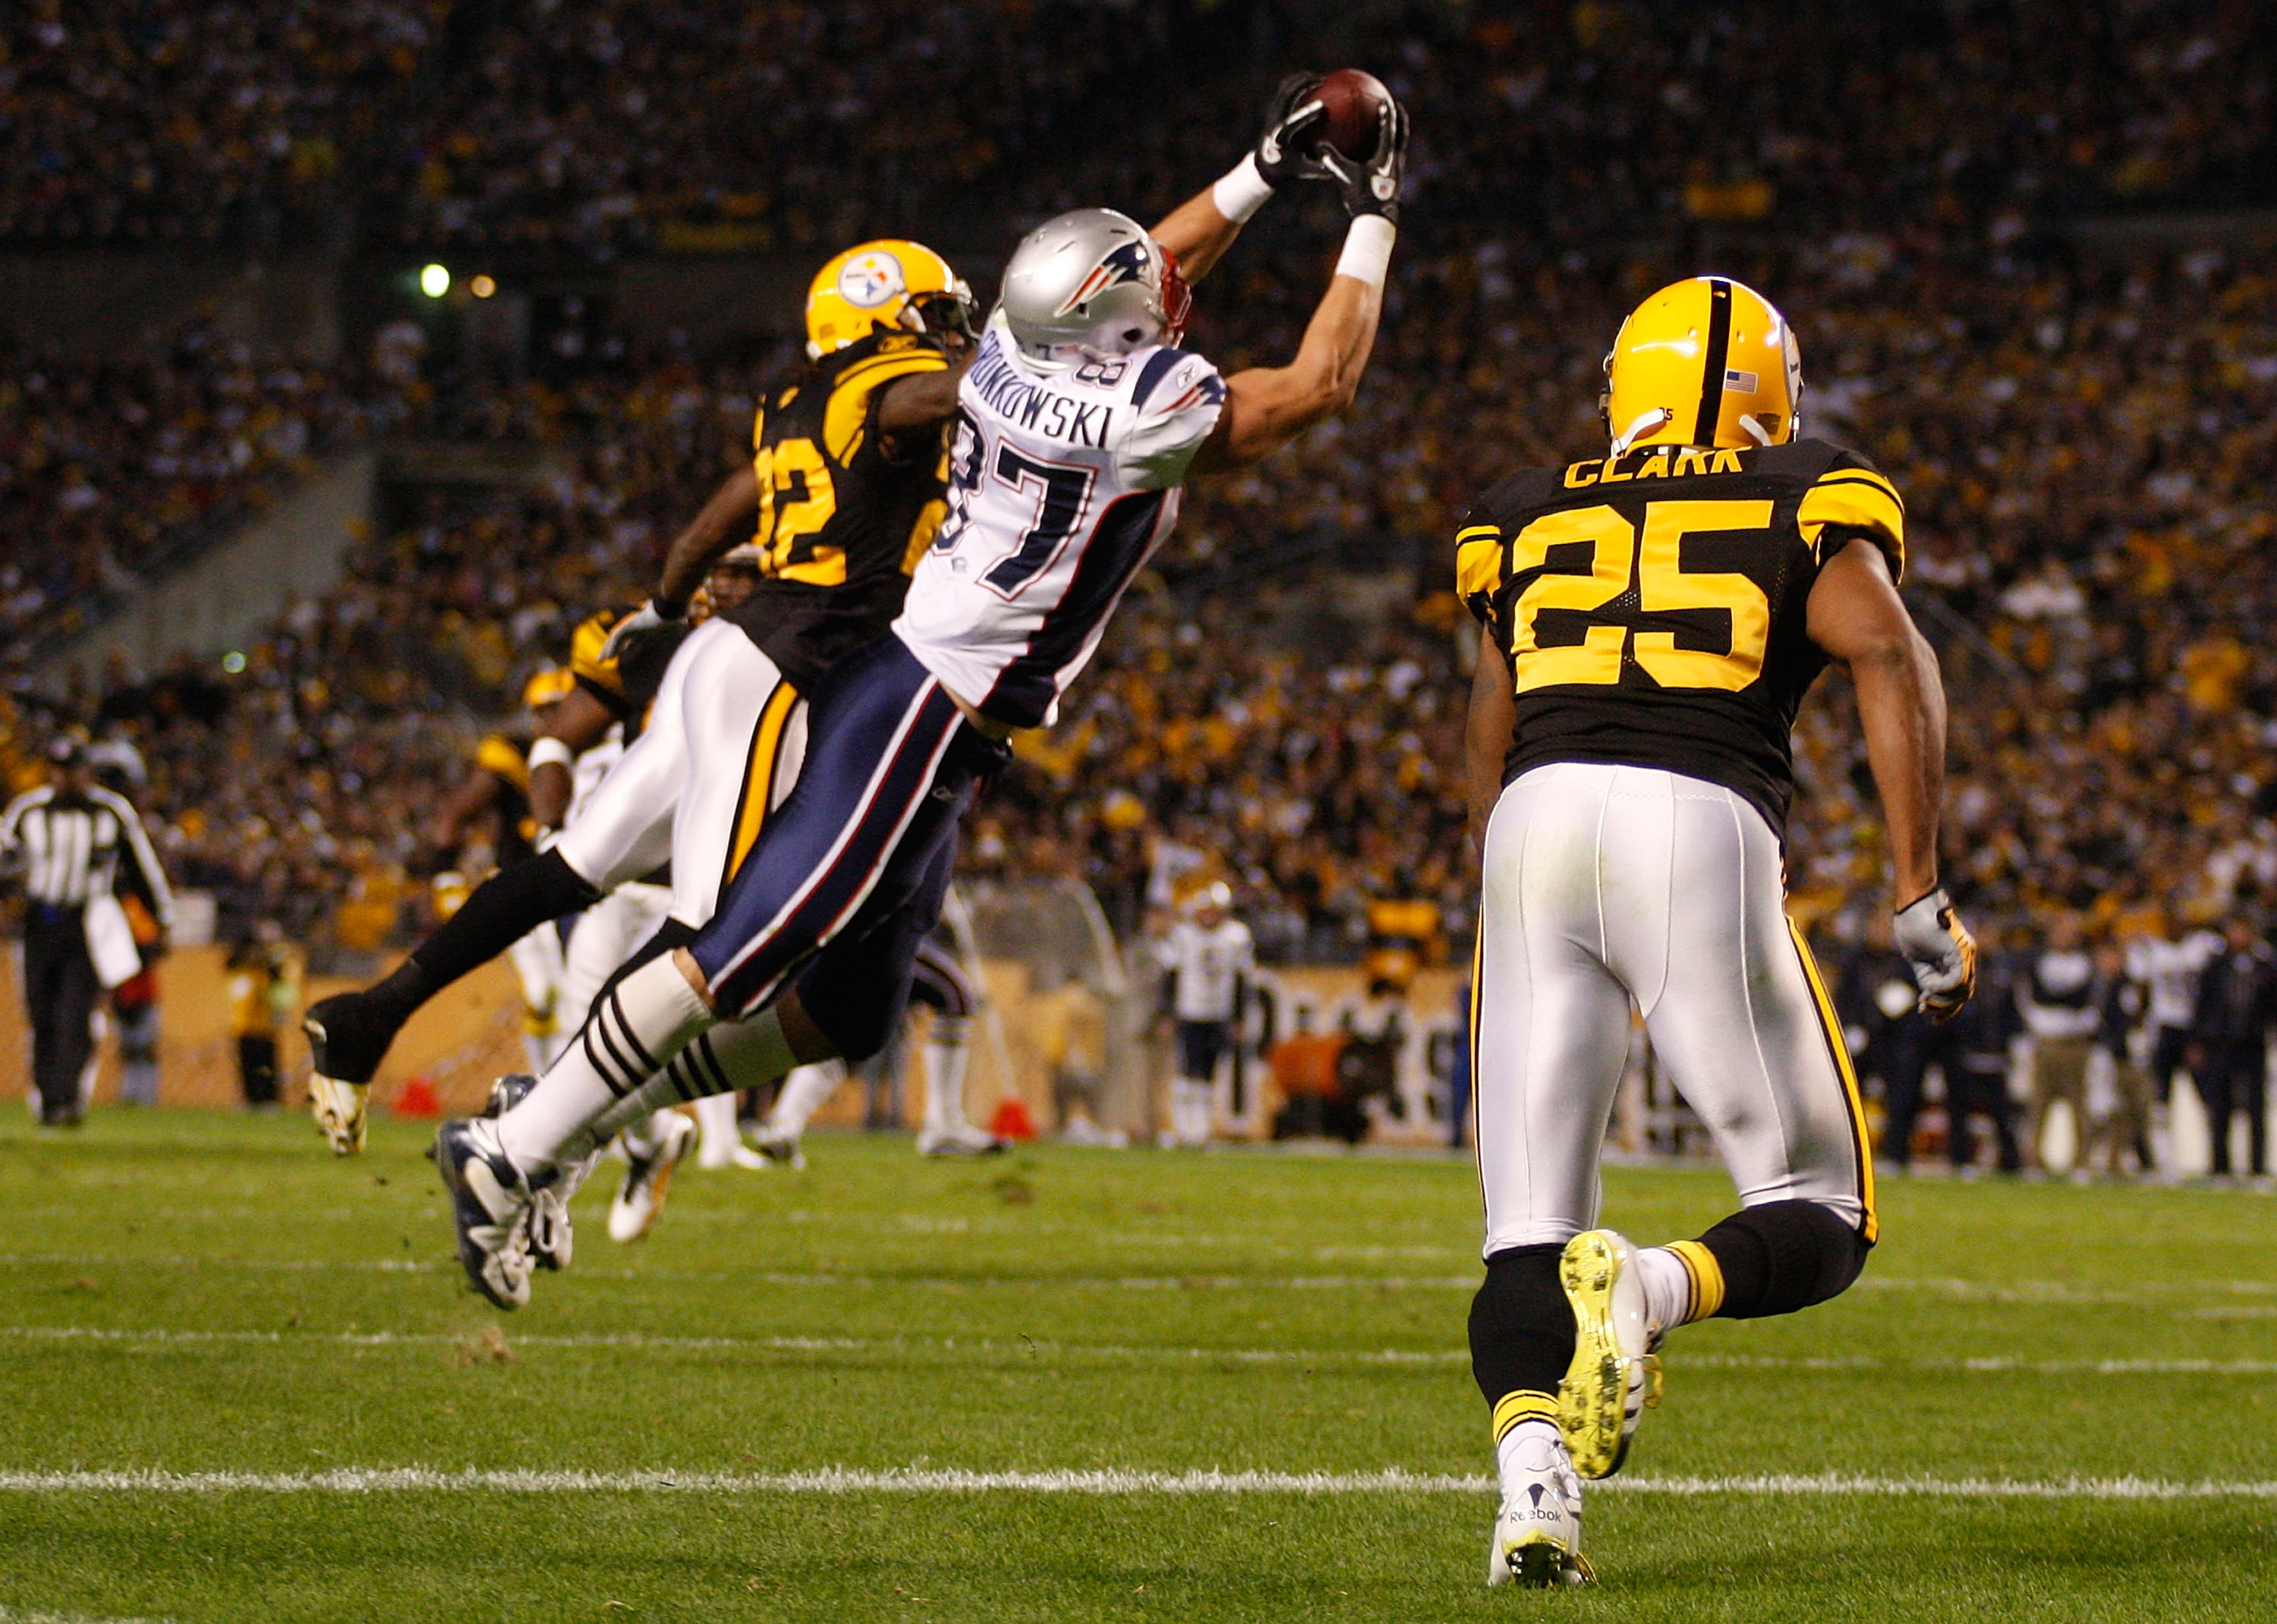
(1754, 427)
(1646, 423)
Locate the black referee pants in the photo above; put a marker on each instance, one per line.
(59, 993)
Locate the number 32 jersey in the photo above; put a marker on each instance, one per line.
(1061, 484)
(1651, 606)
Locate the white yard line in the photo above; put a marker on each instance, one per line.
(1111, 1352)
(9, 1615)
(849, 1480)
(2047, 1293)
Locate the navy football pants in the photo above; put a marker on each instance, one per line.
(862, 842)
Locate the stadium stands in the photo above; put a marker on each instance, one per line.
(2069, 428)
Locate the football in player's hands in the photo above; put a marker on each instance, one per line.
(1355, 101)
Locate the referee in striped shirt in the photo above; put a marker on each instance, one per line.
(64, 842)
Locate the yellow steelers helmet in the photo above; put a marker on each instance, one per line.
(548, 686)
(1707, 361)
(889, 283)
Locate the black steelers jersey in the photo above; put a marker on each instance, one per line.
(841, 523)
(626, 682)
(1652, 605)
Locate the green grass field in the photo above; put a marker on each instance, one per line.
(195, 1294)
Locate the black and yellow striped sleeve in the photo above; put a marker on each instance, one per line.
(846, 419)
(1480, 560)
(1854, 499)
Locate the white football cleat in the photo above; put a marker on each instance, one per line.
(489, 1207)
(1537, 1533)
(1615, 1376)
(647, 1177)
(961, 1140)
(338, 1108)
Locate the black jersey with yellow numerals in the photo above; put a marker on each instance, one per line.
(1652, 606)
(841, 522)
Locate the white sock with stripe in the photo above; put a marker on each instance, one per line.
(740, 1054)
(635, 1028)
(1682, 1283)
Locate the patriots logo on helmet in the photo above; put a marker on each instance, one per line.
(1125, 263)
(869, 280)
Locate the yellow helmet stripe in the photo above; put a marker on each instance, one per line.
(1719, 353)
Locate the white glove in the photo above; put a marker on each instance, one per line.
(647, 619)
(1940, 951)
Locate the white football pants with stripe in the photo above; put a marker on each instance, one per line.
(722, 748)
(1609, 885)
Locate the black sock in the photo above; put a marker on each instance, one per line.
(1521, 1326)
(1784, 1255)
(502, 910)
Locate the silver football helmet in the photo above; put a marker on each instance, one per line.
(1091, 282)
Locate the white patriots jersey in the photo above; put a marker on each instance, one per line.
(1061, 485)
(1209, 965)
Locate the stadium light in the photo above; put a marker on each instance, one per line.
(232, 662)
(434, 281)
(483, 287)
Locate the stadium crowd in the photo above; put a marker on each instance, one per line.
(603, 124)
(111, 470)
(2071, 430)
(135, 121)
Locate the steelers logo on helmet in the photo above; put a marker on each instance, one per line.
(868, 280)
(889, 283)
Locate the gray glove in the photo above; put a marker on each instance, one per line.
(649, 618)
(1940, 951)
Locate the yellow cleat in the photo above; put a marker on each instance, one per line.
(338, 1108)
(1614, 1378)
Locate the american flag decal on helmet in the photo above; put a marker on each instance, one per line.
(1126, 263)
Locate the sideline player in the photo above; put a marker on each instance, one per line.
(1078, 421)
(844, 487)
(1653, 617)
(1211, 959)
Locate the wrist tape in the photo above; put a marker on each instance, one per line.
(1241, 191)
(1368, 250)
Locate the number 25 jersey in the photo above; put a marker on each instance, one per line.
(1652, 606)
(1060, 483)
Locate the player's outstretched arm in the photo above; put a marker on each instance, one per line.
(1203, 227)
(721, 522)
(1266, 407)
(1486, 735)
(922, 401)
(1856, 616)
